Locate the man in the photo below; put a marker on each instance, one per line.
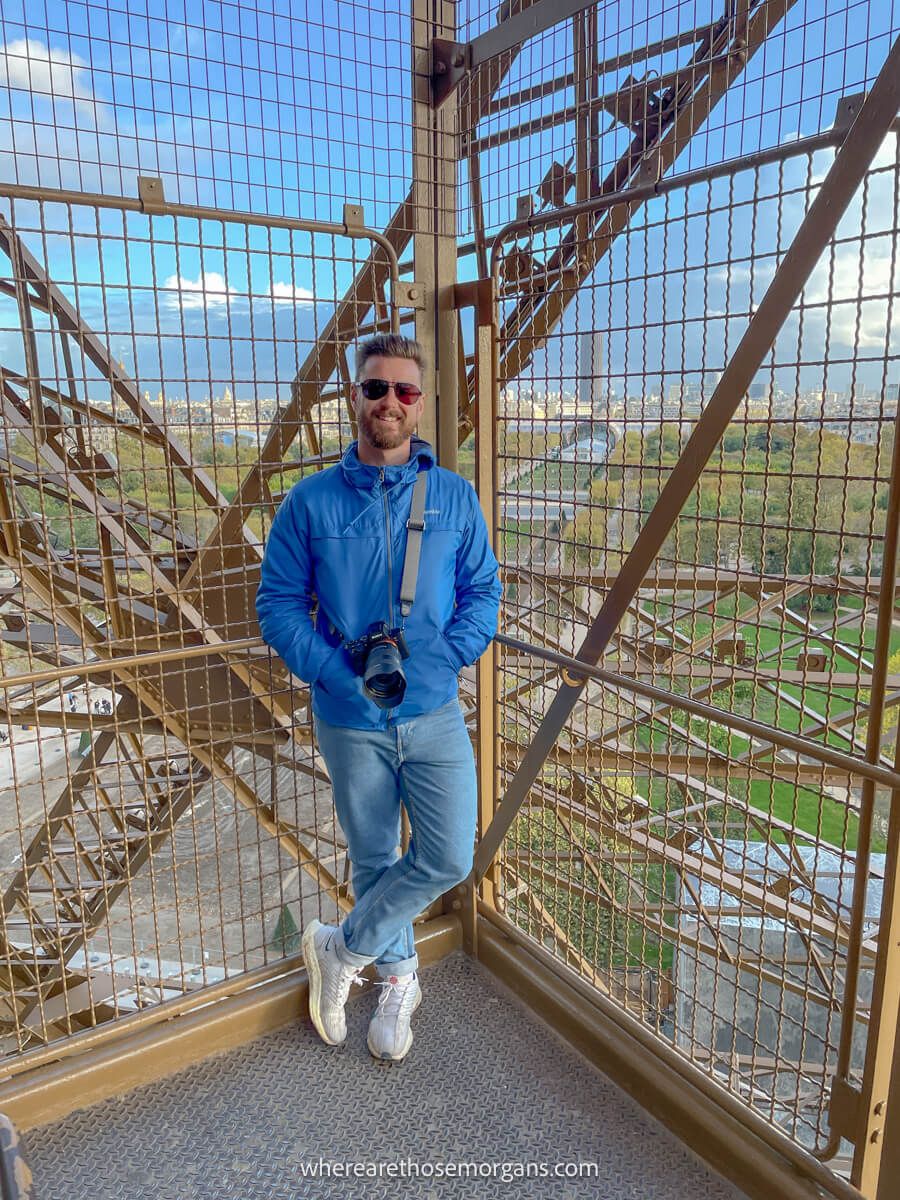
(341, 534)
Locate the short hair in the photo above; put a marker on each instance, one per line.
(389, 345)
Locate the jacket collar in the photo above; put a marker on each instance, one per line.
(364, 476)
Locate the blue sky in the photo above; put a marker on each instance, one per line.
(234, 107)
(247, 107)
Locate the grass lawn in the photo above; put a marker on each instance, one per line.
(820, 815)
(612, 938)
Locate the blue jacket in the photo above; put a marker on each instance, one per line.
(341, 534)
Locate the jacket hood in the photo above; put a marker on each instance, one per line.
(365, 476)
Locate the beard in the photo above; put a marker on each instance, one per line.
(386, 437)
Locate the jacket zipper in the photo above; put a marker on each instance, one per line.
(387, 530)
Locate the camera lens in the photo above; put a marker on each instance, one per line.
(383, 678)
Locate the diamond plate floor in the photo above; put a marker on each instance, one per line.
(486, 1081)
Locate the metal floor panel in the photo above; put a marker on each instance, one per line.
(486, 1081)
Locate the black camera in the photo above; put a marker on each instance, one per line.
(377, 656)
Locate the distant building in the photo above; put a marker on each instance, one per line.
(590, 393)
(591, 445)
(710, 382)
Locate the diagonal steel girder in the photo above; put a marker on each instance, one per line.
(48, 970)
(719, 59)
(83, 874)
(851, 163)
(52, 300)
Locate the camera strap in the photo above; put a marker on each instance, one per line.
(414, 528)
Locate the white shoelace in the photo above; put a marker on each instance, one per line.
(341, 982)
(400, 997)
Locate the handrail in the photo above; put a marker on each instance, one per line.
(200, 212)
(576, 668)
(746, 725)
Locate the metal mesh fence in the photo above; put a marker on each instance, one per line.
(252, 106)
(167, 373)
(169, 368)
(165, 378)
(725, 890)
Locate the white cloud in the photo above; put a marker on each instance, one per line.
(286, 293)
(31, 66)
(855, 281)
(854, 288)
(208, 290)
(845, 298)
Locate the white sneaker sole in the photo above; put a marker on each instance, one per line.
(314, 974)
(383, 1057)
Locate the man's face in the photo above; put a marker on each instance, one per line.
(387, 423)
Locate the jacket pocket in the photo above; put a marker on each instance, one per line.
(452, 656)
(337, 676)
(431, 659)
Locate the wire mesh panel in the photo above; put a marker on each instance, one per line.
(165, 378)
(256, 106)
(166, 374)
(724, 889)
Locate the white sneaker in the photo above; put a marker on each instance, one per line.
(390, 1036)
(329, 982)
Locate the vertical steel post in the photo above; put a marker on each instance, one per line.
(876, 1160)
(434, 167)
(860, 1115)
(890, 1135)
(464, 898)
(486, 363)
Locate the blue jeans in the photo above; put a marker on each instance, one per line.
(427, 765)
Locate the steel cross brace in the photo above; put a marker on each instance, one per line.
(452, 60)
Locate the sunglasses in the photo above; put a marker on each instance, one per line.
(376, 389)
